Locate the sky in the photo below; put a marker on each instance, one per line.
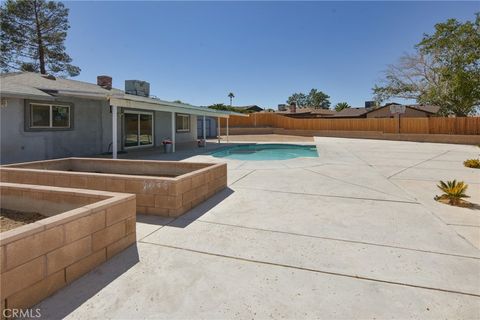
(198, 52)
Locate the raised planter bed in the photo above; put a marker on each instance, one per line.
(80, 230)
(165, 188)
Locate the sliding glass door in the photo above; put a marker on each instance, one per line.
(138, 129)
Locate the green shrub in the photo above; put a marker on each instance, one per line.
(472, 163)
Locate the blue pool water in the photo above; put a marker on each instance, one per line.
(267, 152)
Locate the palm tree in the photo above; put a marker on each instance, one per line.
(231, 96)
(341, 105)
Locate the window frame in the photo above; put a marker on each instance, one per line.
(29, 108)
(183, 116)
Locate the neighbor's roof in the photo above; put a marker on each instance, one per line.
(351, 112)
(37, 86)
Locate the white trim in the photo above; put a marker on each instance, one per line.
(114, 132)
(167, 107)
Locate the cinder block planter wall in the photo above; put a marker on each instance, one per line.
(165, 188)
(39, 258)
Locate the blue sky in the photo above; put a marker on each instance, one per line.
(262, 51)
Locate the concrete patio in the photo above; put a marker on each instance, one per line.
(354, 233)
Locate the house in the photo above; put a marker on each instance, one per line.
(307, 112)
(44, 117)
(388, 111)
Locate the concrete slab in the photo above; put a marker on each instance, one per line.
(329, 237)
(397, 224)
(363, 176)
(177, 284)
(424, 192)
(436, 174)
(308, 182)
(149, 224)
(410, 267)
(470, 233)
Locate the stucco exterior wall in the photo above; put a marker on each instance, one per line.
(91, 133)
(91, 125)
(163, 129)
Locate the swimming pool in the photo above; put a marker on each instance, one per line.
(267, 152)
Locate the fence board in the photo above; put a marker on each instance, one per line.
(434, 125)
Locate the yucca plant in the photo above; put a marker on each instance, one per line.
(453, 191)
(472, 163)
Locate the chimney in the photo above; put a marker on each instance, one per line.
(293, 107)
(105, 82)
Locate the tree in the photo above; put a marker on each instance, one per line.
(32, 37)
(221, 106)
(318, 100)
(299, 98)
(341, 105)
(315, 99)
(231, 96)
(443, 71)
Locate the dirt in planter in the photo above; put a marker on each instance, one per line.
(11, 219)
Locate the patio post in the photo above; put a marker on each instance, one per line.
(173, 131)
(218, 129)
(204, 133)
(114, 132)
(227, 128)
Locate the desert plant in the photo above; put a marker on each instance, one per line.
(472, 163)
(453, 191)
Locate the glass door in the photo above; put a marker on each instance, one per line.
(138, 129)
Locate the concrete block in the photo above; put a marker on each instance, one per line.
(85, 265)
(23, 250)
(22, 277)
(120, 211)
(104, 237)
(37, 292)
(68, 254)
(84, 226)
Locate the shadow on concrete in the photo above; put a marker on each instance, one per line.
(156, 220)
(182, 153)
(195, 213)
(65, 301)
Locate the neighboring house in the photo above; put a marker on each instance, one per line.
(43, 117)
(411, 111)
(416, 110)
(252, 108)
(307, 112)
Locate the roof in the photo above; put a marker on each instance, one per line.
(308, 110)
(425, 108)
(351, 112)
(37, 86)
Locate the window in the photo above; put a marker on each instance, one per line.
(49, 116)
(183, 122)
(138, 129)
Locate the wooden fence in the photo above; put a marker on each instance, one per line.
(434, 125)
